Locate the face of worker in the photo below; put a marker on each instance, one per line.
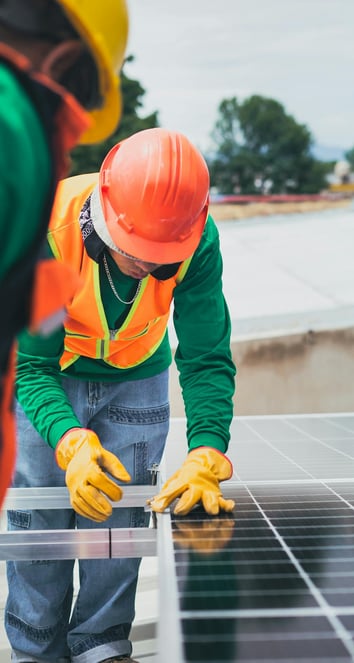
(133, 267)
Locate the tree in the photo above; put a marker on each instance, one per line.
(88, 158)
(259, 147)
(350, 157)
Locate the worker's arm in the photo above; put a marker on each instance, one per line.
(39, 388)
(207, 378)
(203, 355)
(78, 450)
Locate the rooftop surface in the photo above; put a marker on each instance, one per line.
(289, 273)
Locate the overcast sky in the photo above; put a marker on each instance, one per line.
(191, 54)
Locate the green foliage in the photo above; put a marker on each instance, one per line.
(350, 157)
(88, 158)
(260, 148)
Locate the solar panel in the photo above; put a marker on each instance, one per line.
(274, 581)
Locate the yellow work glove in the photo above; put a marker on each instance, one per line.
(197, 481)
(86, 462)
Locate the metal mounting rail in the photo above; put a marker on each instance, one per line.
(58, 498)
(78, 544)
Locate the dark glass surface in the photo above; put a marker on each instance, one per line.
(348, 622)
(268, 582)
(228, 640)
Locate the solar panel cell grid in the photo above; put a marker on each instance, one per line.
(274, 581)
(235, 576)
(282, 445)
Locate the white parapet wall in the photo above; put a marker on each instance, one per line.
(290, 373)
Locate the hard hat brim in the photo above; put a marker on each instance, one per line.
(163, 253)
(105, 120)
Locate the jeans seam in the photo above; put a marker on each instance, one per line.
(39, 634)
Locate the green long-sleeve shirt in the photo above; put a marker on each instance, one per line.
(203, 356)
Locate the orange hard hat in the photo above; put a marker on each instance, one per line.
(154, 195)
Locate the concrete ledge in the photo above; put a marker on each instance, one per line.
(309, 372)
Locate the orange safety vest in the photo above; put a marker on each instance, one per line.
(86, 329)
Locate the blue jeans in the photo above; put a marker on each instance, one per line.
(131, 420)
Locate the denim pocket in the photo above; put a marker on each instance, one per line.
(19, 519)
(138, 416)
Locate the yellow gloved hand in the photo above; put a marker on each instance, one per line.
(207, 536)
(197, 481)
(86, 462)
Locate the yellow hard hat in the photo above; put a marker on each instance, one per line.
(103, 25)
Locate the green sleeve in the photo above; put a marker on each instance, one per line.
(38, 385)
(25, 171)
(203, 355)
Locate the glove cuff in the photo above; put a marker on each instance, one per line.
(215, 460)
(67, 446)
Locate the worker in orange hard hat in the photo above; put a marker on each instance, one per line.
(59, 85)
(93, 405)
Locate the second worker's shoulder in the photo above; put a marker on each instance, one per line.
(77, 185)
(70, 196)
